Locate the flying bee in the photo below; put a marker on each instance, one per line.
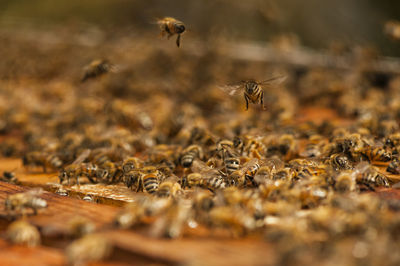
(171, 26)
(169, 188)
(189, 154)
(253, 91)
(43, 159)
(19, 202)
(89, 248)
(23, 233)
(97, 68)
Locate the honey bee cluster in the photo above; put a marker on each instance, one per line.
(197, 159)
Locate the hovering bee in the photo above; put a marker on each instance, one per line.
(21, 201)
(23, 233)
(97, 68)
(253, 91)
(171, 26)
(89, 248)
(392, 29)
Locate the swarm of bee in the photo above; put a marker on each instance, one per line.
(194, 158)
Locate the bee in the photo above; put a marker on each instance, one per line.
(79, 226)
(370, 177)
(394, 166)
(392, 30)
(22, 233)
(171, 26)
(169, 188)
(340, 161)
(231, 160)
(89, 248)
(171, 222)
(131, 178)
(253, 91)
(204, 177)
(149, 180)
(9, 177)
(246, 173)
(203, 200)
(189, 154)
(110, 173)
(131, 215)
(27, 200)
(78, 169)
(131, 163)
(378, 154)
(97, 68)
(42, 159)
(345, 181)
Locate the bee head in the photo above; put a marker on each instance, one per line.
(250, 87)
(179, 28)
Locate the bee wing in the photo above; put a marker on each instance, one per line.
(82, 157)
(199, 166)
(233, 89)
(273, 81)
(250, 163)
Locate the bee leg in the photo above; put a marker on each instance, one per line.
(262, 100)
(178, 40)
(247, 101)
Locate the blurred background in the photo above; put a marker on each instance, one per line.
(315, 23)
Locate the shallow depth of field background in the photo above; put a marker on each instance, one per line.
(316, 23)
